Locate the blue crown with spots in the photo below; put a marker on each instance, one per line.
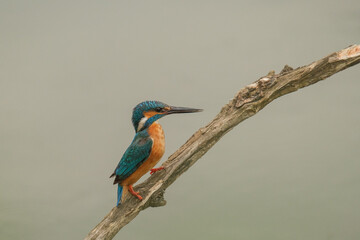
(138, 111)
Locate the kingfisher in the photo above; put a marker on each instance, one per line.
(147, 147)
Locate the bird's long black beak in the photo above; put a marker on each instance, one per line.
(182, 110)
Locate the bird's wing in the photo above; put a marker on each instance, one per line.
(138, 151)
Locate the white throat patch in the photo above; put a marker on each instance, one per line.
(142, 123)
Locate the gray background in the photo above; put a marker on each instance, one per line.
(71, 72)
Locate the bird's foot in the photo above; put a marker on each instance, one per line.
(136, 194)
(155, 170)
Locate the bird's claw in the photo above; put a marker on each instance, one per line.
(154, 170)
(136, 194)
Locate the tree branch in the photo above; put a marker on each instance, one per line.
(247, 102)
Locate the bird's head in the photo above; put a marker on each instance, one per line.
(145, 113)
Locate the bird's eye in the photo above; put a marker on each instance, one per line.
(159, 109)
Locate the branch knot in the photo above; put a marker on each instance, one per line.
(157, 200)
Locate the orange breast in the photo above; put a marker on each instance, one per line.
(157, 134)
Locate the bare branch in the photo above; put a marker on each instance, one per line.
(247, 102)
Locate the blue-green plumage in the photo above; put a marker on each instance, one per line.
(138, 151)
(119, 194)
(135, 155)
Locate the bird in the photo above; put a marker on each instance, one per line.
(147, 147)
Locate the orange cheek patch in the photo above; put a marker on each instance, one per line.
(150, 114)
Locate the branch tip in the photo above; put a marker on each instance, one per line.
(350, 52)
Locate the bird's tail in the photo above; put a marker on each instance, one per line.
(122, 190)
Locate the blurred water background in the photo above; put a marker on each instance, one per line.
(71, 72)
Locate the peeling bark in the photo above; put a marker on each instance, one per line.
(247, 102)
